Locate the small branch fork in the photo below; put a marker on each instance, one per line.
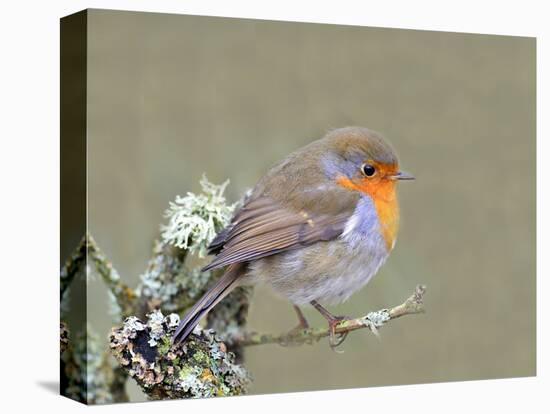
(124, 295)
(373, 320)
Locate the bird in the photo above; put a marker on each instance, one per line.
(315, 228)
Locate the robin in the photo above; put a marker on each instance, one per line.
(315, 228)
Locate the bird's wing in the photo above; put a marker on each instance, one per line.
(264, 227)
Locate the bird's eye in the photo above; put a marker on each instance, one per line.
(368, 170)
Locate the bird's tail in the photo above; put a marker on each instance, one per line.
(216, 293)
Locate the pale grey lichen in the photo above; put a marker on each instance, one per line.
(189, 379)
(193, 282)
(132, 325)
(194, 220)
(158, 286)
(228, 318)
(65, 303)
(114, 309)
(73, 265)
(172, 321)
(167, 283)
(156, 321)
(115, 276)
(90, 274)
(378, 318)
(374, 320)
(200, 367)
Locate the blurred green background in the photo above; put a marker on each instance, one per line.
(172, 96)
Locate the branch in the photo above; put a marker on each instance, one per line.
(167, 284)
(87, 371)
(228, 318)
(200, 367)
(72, 266)
(124, 295)
(372, 320)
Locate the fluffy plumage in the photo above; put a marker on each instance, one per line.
(314, 227)
(331, 271)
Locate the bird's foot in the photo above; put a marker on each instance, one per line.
(334, 339)
(333, 322)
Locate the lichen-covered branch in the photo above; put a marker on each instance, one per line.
(72, 266)
(63, 337)
(200, 367)
(87, 371)
(228, 318)
(193, 221)
(167, 284)
(124, 295)
(373, 320)
(204, 366)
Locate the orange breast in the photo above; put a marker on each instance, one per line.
(384, 197)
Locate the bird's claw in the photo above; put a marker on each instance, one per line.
(335, 340)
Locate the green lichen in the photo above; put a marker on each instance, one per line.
(163, 345)
(200, 357)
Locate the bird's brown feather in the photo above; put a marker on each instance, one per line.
(263, 227)
(291, 206)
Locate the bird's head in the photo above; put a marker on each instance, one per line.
(359, 159)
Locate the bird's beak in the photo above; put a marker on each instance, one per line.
(402, 175)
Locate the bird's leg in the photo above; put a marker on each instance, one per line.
(302, 321)
(333, 322)
(302, 325)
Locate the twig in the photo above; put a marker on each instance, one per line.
(125, 296)
(229, 318)
(72, 266)
(161, 283)
(372, 320)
